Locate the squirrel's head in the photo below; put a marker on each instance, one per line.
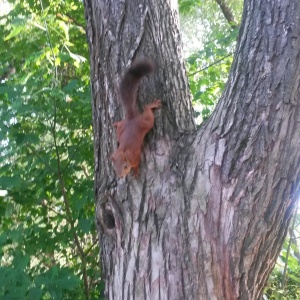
(121, 164)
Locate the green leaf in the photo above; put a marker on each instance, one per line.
(7, 183)
(35, 293)
(84, 225)
(18, 25)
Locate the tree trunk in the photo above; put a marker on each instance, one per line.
(207, 216)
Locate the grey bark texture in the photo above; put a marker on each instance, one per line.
(207, 216)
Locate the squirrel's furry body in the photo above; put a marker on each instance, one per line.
(132, 131)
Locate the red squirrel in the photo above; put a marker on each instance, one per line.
(132, 130)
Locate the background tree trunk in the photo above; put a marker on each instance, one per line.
(209, 212)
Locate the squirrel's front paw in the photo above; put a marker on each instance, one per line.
(156, 103)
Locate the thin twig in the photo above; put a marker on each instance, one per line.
(75, 21)
(49, 40)
(37, 155)
(214, 63)
(68, 210)
(91, 247)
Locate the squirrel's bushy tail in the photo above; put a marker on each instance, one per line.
(129, 85)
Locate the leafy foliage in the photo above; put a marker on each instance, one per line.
(208, 71)
(48, 243)
(284, 282)
(208, 68)
(210, 11)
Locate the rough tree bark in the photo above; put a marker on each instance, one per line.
(209, 212)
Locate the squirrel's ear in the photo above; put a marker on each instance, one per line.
(112, 158)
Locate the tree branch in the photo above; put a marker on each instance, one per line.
(68, 210)
(227, 13)
(70, 19)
